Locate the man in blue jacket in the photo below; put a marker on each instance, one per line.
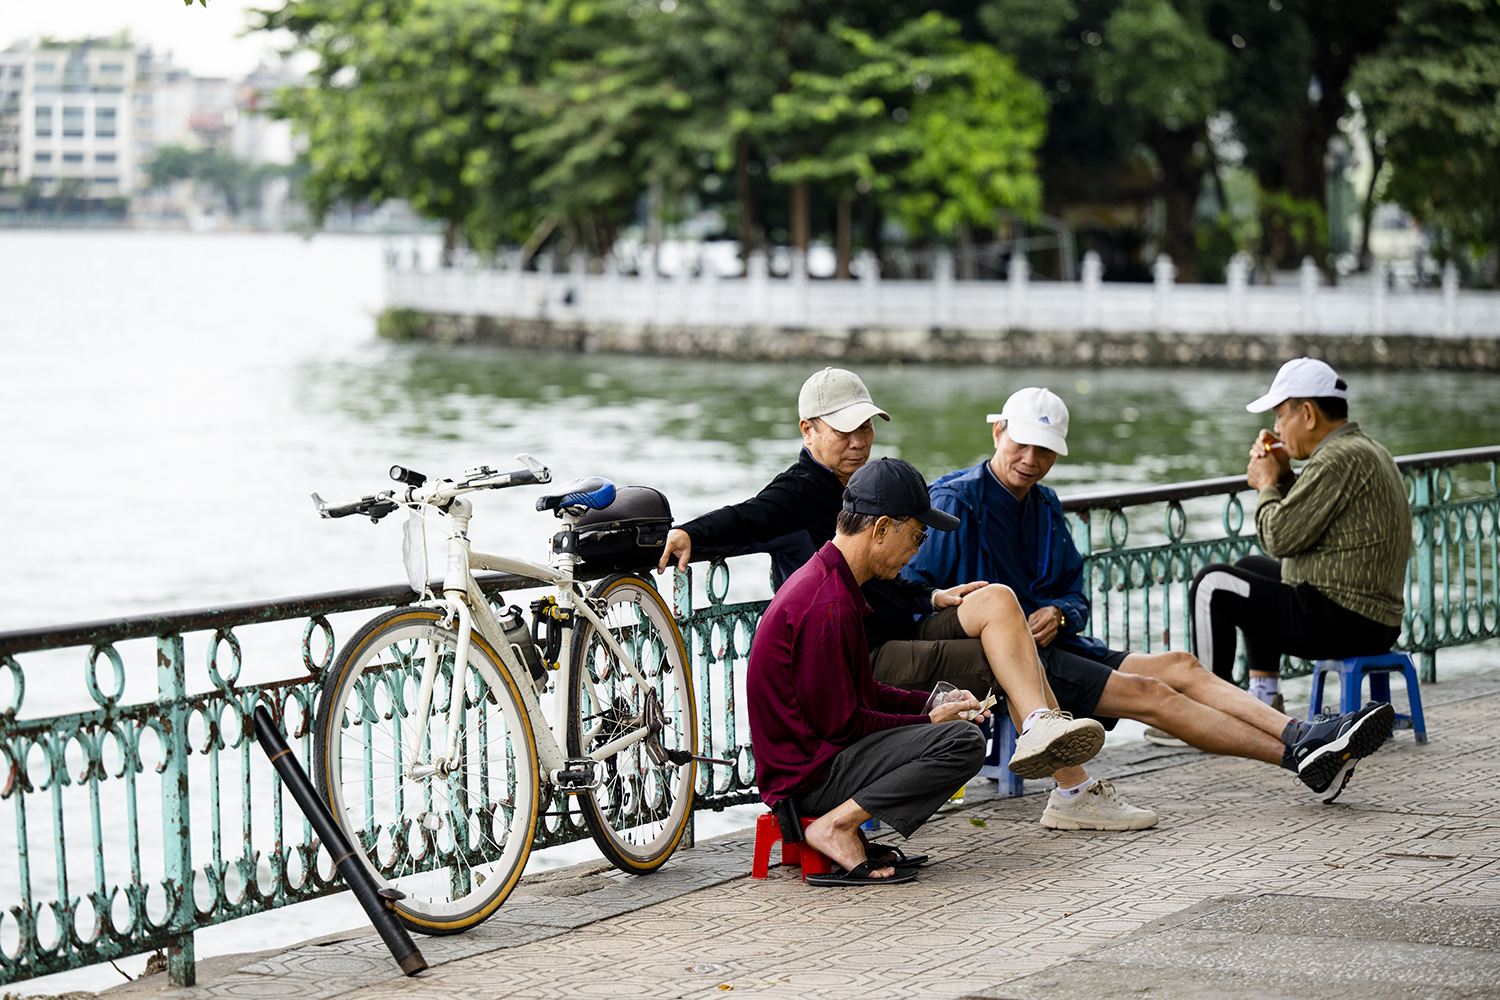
(1012, 532)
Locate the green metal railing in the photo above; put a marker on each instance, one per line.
(145, 813)
(1140, 593)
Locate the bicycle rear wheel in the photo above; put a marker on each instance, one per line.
(453, 841)
(641, 808)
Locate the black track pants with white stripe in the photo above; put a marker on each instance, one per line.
(1274, 619)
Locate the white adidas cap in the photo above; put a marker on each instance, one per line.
(1037, 417)
(1302, 378)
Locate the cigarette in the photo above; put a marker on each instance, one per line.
(1272, 444)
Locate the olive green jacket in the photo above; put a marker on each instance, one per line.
(1343, 526)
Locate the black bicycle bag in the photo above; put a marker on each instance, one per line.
(628, 534)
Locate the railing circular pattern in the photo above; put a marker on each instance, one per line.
(222, 682)
(91, 675)
(323, 663)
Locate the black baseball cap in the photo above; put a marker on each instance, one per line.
(894, 488)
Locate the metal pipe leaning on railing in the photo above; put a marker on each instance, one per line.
(375, 900)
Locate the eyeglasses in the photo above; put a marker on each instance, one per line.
(921, 532)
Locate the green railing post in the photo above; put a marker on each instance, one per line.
(1424, 495)
(1083, 540)
(176, 828)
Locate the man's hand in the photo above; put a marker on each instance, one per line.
(954, 596)
(1269, 462)
(954, 708)
(679, 547)
(1044, 624)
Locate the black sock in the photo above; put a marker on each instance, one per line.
(1287, 760)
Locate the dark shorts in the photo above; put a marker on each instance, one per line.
(942, 651)
(1078, 680)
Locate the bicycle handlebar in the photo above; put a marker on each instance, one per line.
(438, 494)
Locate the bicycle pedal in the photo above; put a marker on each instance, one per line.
(681, 757)
(577, 775)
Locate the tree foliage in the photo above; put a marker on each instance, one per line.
(1433, 92)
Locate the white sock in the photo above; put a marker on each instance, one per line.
(1265, 688)
(1026, 722)
(1078, 789)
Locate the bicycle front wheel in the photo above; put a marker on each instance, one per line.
(452, 834)
(641, 807)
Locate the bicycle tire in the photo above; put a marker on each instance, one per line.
(407, 829)
(640, 810)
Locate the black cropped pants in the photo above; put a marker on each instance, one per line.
(1274, 619)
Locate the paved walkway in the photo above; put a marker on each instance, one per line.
(1249, 887)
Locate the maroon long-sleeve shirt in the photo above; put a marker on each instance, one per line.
(809, 685)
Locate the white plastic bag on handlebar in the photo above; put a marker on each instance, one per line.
(414, 552)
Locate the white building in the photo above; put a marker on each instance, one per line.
(71, 118)
(96, 113)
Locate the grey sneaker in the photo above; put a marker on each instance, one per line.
(1098, 807)
(1054, 741)
(1329, 749)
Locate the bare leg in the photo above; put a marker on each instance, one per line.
(1183, 673)
(992, 615)
(1148, 700)
(835, 835)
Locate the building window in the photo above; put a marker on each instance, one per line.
(111, 69)
(42, 67)
(43, 180)
(71, 158)
(104, 123)
(104, 157)
(44, 157)
(106, 181)
(16, 72)
(44, 122)
(72, 123)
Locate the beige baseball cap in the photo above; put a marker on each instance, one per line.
(839, 398)
(1035, 416)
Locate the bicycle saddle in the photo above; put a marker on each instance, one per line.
(592, 493)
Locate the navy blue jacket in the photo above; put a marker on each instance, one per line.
(949, 558)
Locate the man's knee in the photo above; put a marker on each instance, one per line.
(995, 603)
(1177, 669)
(963, 742)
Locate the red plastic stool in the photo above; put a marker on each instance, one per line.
(768, 832)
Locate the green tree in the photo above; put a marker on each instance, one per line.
(1433, 92)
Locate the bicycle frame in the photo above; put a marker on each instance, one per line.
(471, 610)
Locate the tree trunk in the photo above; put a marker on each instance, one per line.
(800, 216)
(1367, 210)
(450, 243)
(1181, 183)
(844, 235)
(750, 235)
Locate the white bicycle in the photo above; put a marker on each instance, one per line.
(430, 744)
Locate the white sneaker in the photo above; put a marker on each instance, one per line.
(1098, 807)
(1056, 740)
(1162, 738)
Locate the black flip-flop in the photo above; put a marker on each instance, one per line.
(902, 859)
(860, 875)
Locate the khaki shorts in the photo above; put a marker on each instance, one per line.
(942, 651)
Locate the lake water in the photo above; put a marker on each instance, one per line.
(168, 402)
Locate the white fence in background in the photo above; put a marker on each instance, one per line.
(1018, 303)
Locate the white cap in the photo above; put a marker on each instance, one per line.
(1035, 416)
(839, 398)
(1302, 378)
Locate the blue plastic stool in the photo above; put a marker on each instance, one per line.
(1002, 736)
(1354, 669)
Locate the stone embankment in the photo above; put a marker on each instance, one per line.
(1012, 347)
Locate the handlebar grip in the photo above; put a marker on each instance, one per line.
(341, 510)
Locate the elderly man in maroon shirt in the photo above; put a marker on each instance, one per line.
(826, 736)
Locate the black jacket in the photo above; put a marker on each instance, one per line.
(791, 519)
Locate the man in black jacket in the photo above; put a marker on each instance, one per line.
(973, 636)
